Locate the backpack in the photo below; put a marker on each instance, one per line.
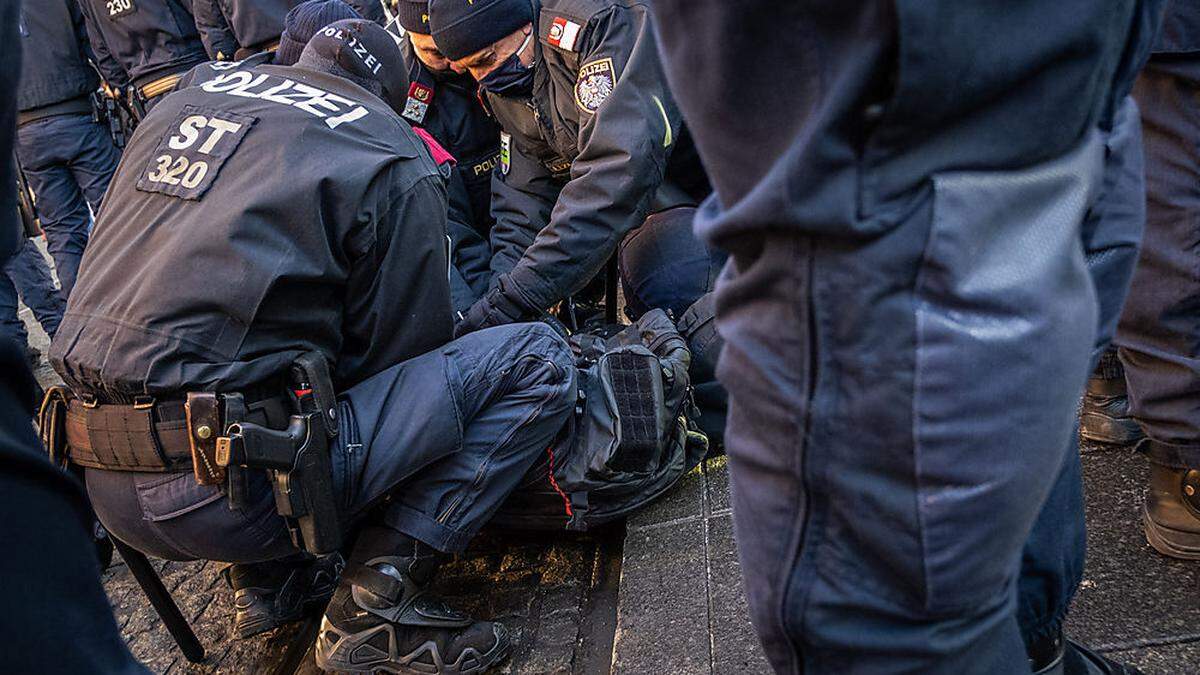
(630, 438)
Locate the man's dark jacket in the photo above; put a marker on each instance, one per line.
(322, 229)
(229, 26)
(55, 66)
(138, 41)
(453, 114)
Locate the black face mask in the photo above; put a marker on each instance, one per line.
(511, 78)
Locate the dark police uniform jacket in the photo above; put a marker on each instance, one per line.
(227, 26)
(54, 67)
(586, 157)
(263, 212)
(448, 107)
(139, 41)
(1177, 50)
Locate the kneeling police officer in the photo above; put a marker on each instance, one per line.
(213, 319)
(591, 140)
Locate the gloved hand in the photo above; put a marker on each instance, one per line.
(501, 305)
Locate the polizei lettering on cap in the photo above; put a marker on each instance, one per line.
(314, 101)
(357, 48)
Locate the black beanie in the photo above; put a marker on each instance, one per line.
(462, 27)
(303, 21)
(364, 53)
(413, 15)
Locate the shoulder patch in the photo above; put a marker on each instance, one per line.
(562, 28)
(596, 81)
(563, 33)
(419, 98)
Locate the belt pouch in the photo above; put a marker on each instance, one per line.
(204, 426)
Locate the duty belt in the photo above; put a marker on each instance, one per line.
(158, 87)
(146, 436)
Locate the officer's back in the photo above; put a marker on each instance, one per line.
(256, 215)
(137, 42)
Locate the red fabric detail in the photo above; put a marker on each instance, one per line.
(554, 484)
(301, 393)
(440, 154)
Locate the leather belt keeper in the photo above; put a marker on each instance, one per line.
(126, 438)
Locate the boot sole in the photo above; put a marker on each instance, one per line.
(1160, 539)
(330, 656)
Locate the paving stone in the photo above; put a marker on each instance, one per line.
(735, 646)
(662, 618)
(685, 499)
(716, 475)
(1130, 593)
(1168, 659)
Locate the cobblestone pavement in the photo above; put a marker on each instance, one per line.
(544, 589)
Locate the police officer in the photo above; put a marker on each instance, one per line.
(591, 139)
(303, 22)
(67, 157)
(903, 363)
(48, 562)
(1157, 336)
(27, 277)
(235, 29)
(143, 46)
(444, 100)
(339, 250)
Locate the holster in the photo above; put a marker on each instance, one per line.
(298, 458)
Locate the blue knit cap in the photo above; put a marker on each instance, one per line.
(462, 27)
(304, 21)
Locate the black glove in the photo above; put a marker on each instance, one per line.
(501, 305)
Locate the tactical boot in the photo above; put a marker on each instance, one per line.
(1056, 655)
(1171, 512)
(384, 618)
(268, 595)
(1104, 417)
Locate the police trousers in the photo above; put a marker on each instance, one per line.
(429, 447)
(27, 277)
(1159, 333)
(1053, 559)
(68, 161)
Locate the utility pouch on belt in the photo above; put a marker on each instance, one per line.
(298, 457)
(203, 421)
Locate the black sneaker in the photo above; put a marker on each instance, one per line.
(268, 595)
(1171, 512)
(383, 618)
(1104, 416)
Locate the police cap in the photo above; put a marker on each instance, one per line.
(362, 52)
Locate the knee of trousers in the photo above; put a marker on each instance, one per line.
(663, 265)
(530, 354)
